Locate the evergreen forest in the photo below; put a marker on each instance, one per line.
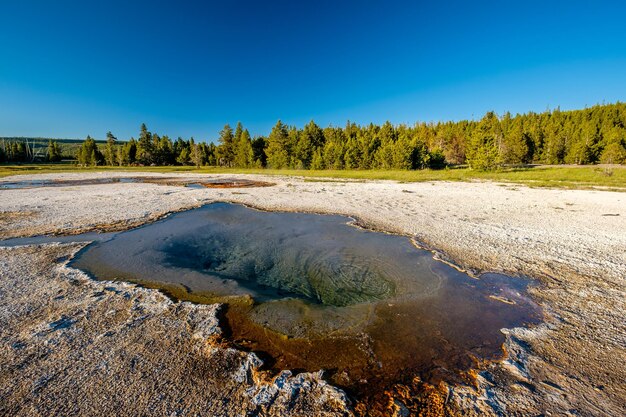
(588, 136)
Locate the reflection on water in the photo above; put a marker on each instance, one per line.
(315, 293)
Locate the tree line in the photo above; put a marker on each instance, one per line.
(25, 151)
(592, 135)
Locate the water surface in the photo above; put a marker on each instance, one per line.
(195, 183)
(311, 292)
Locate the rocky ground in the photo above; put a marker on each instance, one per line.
(74, 346)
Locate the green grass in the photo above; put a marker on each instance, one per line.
(577, 177)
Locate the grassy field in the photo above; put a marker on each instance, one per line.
(580, 177)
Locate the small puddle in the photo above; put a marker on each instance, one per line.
(311, 292)
(17, 185)
(195, 183)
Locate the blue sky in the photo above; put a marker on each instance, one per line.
(186, 68)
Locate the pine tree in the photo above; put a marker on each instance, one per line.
(132, 151)
(109, 150)
(515, 147)
(369, 142)
(127, 153)
(88, 154)
(258, 150)
(333, 152)
(308, 142)
(166, 151)
(554, 149)
(435, 159)
(615, 150)
(584, 150)
(277, 147)
(352, 157)
(614, 153)
(226, 149)
(244, 155)
(19, 152)
(53, 153)
(384, 154)
(402, 154)
(211, 154)
(183, 157)
(119, 156)
(317, 162)
(293, 137)
(238, 133)
(145, 147)
(484, 143)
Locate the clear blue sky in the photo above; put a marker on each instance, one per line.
(69, 68)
